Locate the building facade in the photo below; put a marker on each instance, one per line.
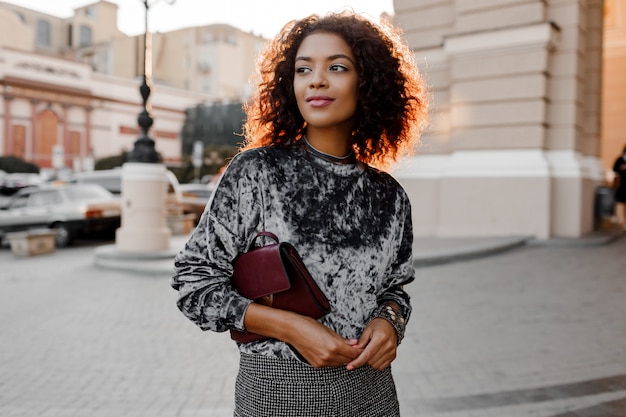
(69, 86)
(514, 142)
(216, 60)
(614, 82)
(59, 113)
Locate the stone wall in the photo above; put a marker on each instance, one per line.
(514, 141)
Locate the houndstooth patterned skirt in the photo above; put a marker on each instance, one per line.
(268, 387)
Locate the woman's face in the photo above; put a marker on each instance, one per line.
(326, 81)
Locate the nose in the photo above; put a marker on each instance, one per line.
(317, 79)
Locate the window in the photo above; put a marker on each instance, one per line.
(44, 198)
(20, 201)
(90, 12)
(43, 33)
(206, 86)
(208, 37)
(91, 191)
(84, 35)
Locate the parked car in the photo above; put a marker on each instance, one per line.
(195, 197)
(111, 179)
(13, 182)
(73, 210)
(197, 190)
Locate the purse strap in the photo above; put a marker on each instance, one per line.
(263, 234)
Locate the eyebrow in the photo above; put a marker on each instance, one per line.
(330, 58)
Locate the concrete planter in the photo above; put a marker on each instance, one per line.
(32, 242)
(144, 227)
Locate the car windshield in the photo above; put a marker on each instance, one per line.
(18, 201)
(87, 193)
(44, 198)
(110, 183)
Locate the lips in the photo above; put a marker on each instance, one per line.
(319, 101)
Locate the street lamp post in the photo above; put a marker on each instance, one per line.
(144, 148)
(144, 179)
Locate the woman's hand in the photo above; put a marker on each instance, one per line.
(318, 344)
(378, 343)
(321, 346)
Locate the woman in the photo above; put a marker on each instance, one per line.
(619, 183)
(337, 96)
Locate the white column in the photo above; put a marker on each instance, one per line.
(144, 191)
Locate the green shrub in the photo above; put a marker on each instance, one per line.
(115, 161)
(215, 157)
(111, 162)
(13, 164)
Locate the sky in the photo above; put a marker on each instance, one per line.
(262, 17)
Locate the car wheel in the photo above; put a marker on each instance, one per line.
(63, 237)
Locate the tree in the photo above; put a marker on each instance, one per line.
(213, 125)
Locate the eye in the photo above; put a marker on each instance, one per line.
(338, 68)
(302, 70)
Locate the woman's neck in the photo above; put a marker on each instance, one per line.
(334, 143)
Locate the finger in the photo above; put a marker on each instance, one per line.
(378, 355)
(380, 363)
(352, 354)
(336, 359)
(347, 353)
(365, 339)
(360, 360)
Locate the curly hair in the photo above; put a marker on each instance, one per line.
(392, 96)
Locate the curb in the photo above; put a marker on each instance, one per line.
(597, 238)
(464, 251)
(148, 263)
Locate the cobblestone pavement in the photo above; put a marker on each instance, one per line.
(536, 331)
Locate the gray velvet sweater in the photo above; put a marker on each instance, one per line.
(350, 223)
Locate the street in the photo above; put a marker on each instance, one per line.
(535, 331)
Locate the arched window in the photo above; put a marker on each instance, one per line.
(43, 33)
(84, 35)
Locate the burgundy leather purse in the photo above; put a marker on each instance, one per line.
(275, 275)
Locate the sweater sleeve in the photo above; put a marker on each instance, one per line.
(401, 270)
(204, 266)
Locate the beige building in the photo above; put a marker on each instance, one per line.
(614, 82)
(217, 60)
(52, 106)
(33, 31)
(514, 145)
(69, 86)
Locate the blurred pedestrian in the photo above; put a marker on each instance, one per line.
(619, 183)
(339, 99)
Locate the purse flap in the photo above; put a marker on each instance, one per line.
(260, 272)
(313, 301)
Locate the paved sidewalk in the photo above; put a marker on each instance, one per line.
(531, 330)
